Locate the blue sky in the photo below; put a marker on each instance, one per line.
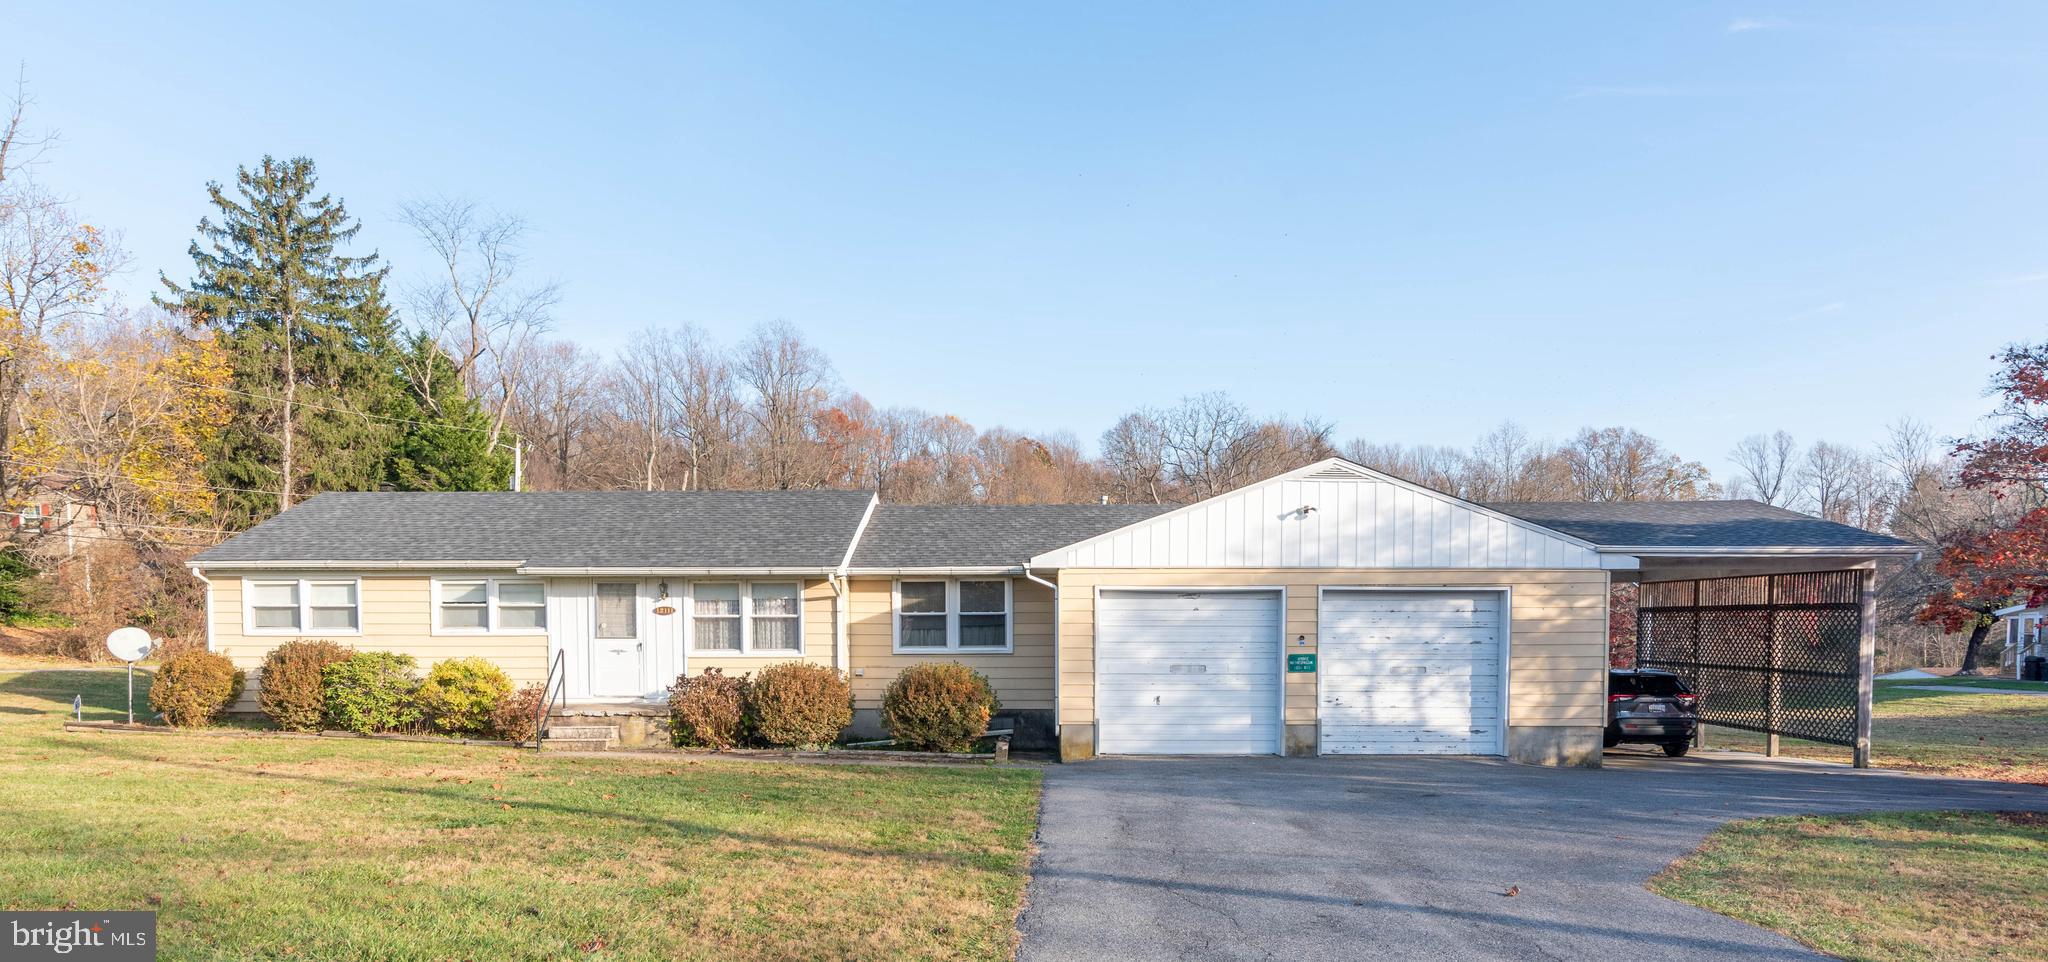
(1700, 220)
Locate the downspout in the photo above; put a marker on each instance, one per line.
(209, 605)
(841, 656)
(1055, 648)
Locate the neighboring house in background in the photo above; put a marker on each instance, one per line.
(1331, 609)
(50, 507)
(2022, 637)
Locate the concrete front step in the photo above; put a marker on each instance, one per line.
(553, 744)
(605, 733)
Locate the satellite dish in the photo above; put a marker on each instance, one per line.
(129, 644)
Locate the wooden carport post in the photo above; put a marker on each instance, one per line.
(1774, 698)
(1866, 661)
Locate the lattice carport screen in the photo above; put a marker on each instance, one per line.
(1778, 654)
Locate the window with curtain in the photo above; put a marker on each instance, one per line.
(492, 604)
(774, 616)
(522, 605)
(274, 604)
(984, 614)
(466, 605)
(921, 614)
(279, 605)
(618, 610)
(715, 617)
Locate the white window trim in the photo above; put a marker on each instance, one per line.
(304, 588)
(490, 606)
(953, 646)
(747, 649)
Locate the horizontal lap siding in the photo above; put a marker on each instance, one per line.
(1023, 678)
(1557, 647)
(396, 613)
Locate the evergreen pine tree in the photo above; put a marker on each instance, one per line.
(310, 338)
(447, 444)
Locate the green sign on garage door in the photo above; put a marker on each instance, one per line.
(1304, 661)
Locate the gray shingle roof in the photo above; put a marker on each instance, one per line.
(926, 536)
(561, 529)
(1693, 524)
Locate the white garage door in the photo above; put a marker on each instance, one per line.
(1187, 673)
(1411, 673)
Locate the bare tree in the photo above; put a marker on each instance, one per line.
(559, 401)
(1769, 467)
(789, 380)
(19, 147)
(1623, 464)
(1133, 455)
(475, 307)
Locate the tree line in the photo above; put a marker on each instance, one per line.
(287, 359)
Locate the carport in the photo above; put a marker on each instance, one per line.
(1769, 614)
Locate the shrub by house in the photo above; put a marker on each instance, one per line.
(517, 715)
(460, 695)
(193, 688)
(372, 691)
(798, 704)
(942, 707)
(708, 710)
(291, 690)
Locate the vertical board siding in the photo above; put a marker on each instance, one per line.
(1361, 522)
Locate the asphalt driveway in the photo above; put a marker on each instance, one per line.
(1409, 858)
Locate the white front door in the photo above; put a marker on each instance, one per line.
(1187, 672)
(618, 643)
(1411, 673)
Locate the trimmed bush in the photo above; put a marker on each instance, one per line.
(708, 710)
(371, 692)
(514, 718)
(192, 689)
(460, 695)
(291, 691)
(943, 707)
(798, 704)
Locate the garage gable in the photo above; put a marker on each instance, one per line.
(1331, 514)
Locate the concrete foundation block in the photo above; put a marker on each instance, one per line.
(1577, 746)
(1077, 742)
(1301, 740)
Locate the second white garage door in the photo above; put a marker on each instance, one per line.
(1187, 672)
(1410, 673)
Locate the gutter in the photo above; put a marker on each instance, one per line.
(1678, 551)
(947, 570)
(209, 605)
(351, 565)
(842, 657)
(1055, 648)
(651, 572)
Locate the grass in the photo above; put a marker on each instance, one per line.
(339, 849)
(2007, 683)
(2001, 737)
(1933, 886)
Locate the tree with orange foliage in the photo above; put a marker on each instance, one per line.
(2007, 563)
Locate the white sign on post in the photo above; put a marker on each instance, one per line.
(130, 645)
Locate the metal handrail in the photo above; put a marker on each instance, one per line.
(552, 692)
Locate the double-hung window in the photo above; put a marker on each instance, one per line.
(484, 605)
(965, 614)
(278, 606)
(746, 617)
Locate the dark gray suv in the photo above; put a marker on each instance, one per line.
(1650, 706)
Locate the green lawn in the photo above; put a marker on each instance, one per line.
(1933, 886)
(2006, 683)
(2003, 737)
(337, 849)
